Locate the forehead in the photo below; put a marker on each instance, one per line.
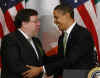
(57, 12)
(33, 18)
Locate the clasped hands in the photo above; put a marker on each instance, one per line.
(33, 72)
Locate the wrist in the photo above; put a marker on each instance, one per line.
(41, 68)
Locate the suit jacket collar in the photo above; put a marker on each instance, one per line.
(75, 28)
(73, 34)
(24, 34)
(21, 37)
(25, 42)
(70, 28)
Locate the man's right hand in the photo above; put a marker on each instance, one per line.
(32, 72)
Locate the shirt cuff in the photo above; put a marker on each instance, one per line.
(44, 69)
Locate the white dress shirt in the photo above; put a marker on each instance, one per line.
(70, 29)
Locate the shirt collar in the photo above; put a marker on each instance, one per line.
(25, 35)
(70, 28)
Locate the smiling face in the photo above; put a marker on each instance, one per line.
(63, 16)
(58, 20)
(61, 19)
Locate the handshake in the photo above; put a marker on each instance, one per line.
(34, 71)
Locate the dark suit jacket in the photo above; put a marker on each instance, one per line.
(80, 52)
(17, 52)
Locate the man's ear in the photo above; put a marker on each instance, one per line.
(68, 15)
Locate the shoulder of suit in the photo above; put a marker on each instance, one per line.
(81, 28)
(9, 38)
(10, 35)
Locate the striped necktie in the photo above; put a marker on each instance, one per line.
(65, 41)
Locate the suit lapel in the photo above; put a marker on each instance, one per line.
(72, 36)
(69, 42)
(25, 43)
(60, 45)
(37, 45)
(72, 33)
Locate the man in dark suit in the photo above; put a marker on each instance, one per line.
(22, 47)
(76, 49)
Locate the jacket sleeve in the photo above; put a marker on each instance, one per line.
(10, 53)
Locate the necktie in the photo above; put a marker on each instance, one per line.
(65, 41)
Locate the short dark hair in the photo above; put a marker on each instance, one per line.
(24, 16)
(65, 9)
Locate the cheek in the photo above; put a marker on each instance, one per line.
(33, 26)
(61, 21)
